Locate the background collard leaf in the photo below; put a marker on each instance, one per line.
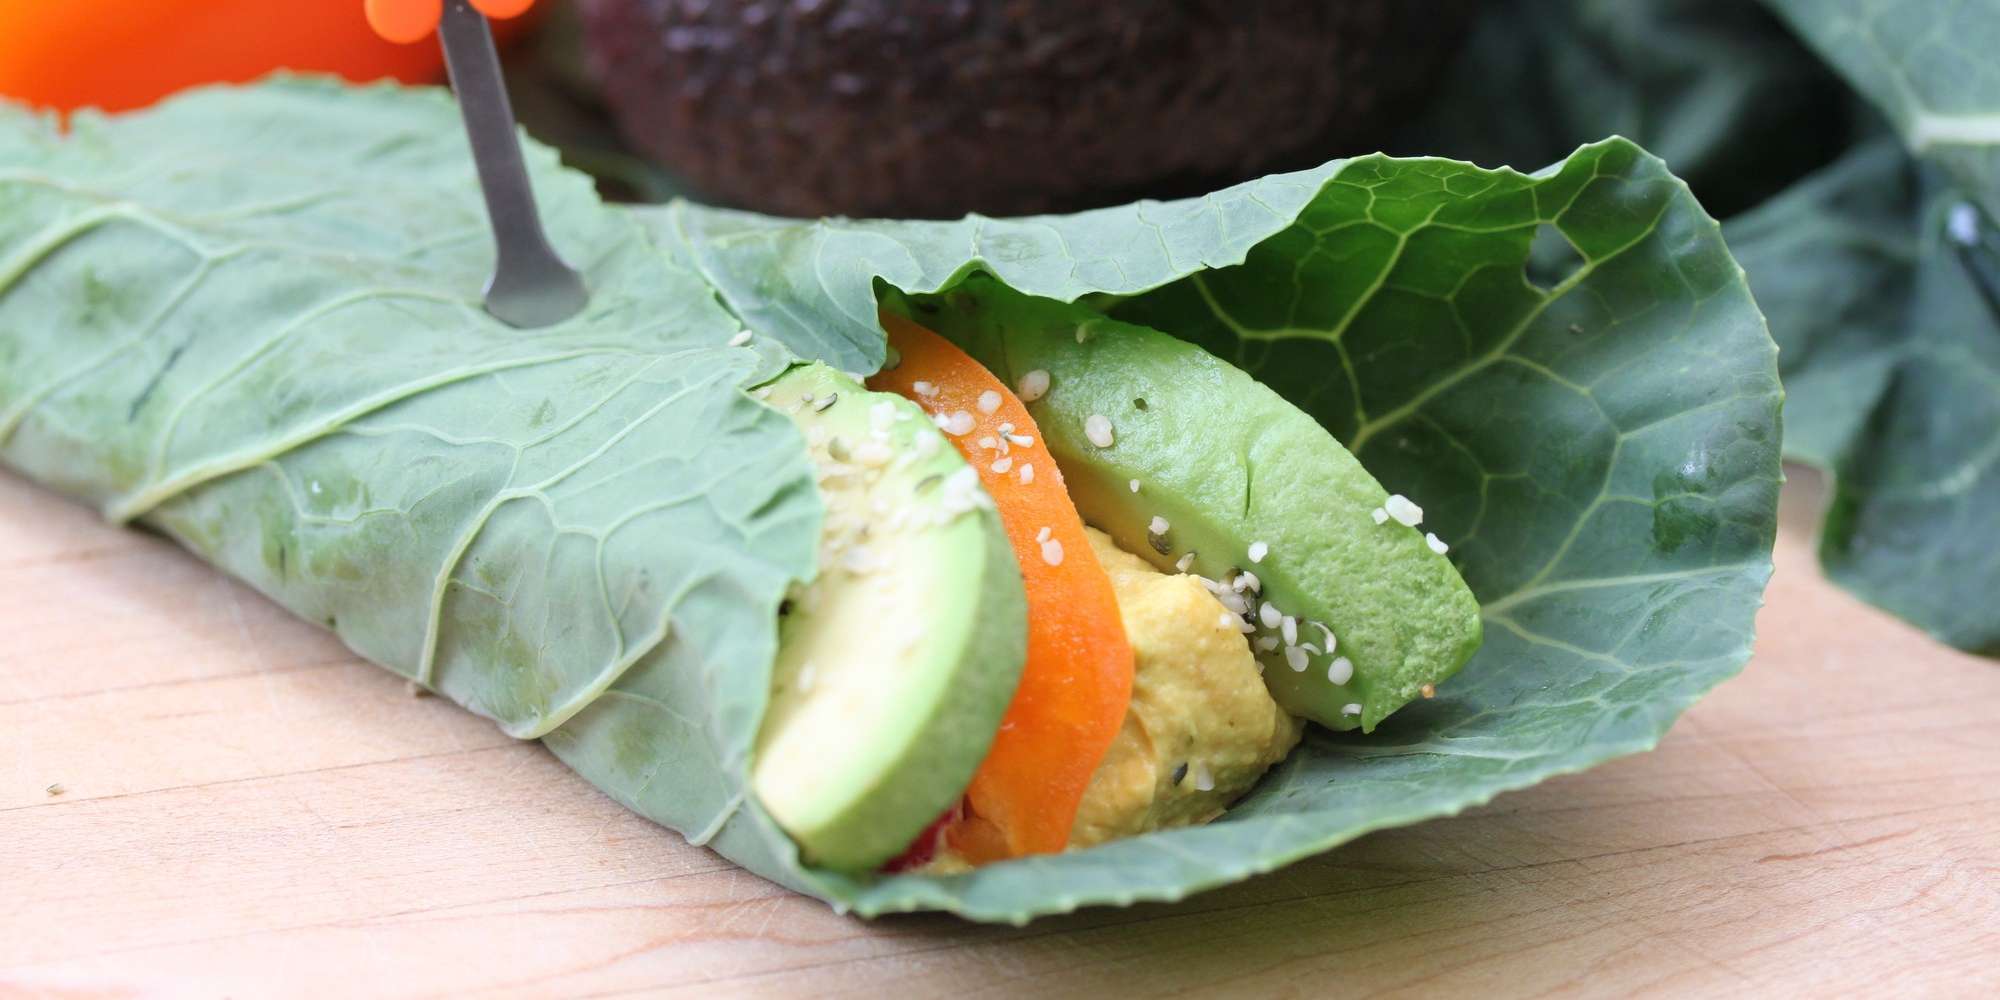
(1839, 137)
(1879, 286)
(1720, 90)
(1893, 313)
(251, 319)
(1927, 64)
(1833, 262)
(1917, 492)
(1565, 369)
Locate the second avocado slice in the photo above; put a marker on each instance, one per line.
(1188, 461)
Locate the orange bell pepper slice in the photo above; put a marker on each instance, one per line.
(1077, 683)
(121, 54)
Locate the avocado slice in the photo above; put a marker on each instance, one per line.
(897, 661)
(1239, 479)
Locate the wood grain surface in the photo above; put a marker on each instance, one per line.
(199, 795)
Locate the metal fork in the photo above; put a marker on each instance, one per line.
(531, 285)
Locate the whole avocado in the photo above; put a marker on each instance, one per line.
(933, 108)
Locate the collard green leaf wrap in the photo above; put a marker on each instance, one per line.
(250, 319)
(1855, 147)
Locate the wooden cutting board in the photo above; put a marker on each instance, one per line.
(199, 795)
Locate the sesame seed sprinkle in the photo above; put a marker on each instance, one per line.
(1327, 634)
(1258, 550)
(1001, 466)
(1351, 708)
(742, 337)
(1158, 525)
(1043, 535)
(1133, 485)
(1381, 516)
(1203, 781)
(859, 559)
(1437, 544)
(1289, 628)
(961, 493)
(1270, 615)
(1268, 643)
(881, 415)
(1033, 385)
(1341, 670)
(958, 424)
(988, 443)
(1021, 440)
(1052, 552)
(1027, 473)
(925, 389)
(1097, 427)
(1295, 658)
(874, 453)
(989, 401)
(1185, 562)
(1407, 514)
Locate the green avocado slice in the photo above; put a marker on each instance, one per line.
(1239, 479)
(897, 661)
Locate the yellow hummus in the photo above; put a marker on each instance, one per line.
(1202, 728)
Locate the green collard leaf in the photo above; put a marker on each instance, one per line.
(250, 318)
(1881, 289)
(1833, 262)
(1894, 312)
(1917, 495)
(1718, 89)
(1833, 218)
(1565, 369)
(811, 284)
(1927, 64)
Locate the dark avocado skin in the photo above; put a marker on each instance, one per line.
(934, 108)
